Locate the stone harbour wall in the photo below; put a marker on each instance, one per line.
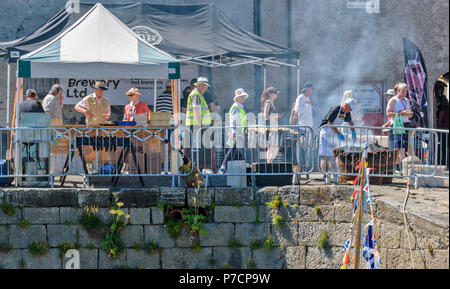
(239, 223)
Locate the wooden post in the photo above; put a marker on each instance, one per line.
(360, 211)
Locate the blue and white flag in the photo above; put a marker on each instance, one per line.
(369, 248)
(346, 245)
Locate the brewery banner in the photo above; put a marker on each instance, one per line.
(75, 89)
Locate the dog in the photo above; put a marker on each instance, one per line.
(194, 179)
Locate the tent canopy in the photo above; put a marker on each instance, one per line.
(194, 33)
(97, 45)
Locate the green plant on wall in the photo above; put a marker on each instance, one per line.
(5, 247)
(277, 220)
(268, 244)
(152, 247)
(7, 209)
(91, 221)
(38, 249)
(64, 247)
(23, 224)
(112, 243)
(323, 240)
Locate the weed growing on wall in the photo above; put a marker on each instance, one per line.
(38, 249)
(92, 222)
(112, 243)
(7, 209)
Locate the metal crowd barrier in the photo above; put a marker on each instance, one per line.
(36, 156)
(255, 151)
(94, 152)
(392, 153)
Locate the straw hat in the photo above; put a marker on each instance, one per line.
(240, 92)
(133, 90)
(203, 80)
(100, 85)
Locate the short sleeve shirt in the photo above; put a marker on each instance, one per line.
(334, 113)
(51, 105)
(30, 105)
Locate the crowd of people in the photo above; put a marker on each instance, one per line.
(198, 106)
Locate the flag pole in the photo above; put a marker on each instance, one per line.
(360, 209)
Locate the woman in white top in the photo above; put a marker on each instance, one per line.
(399, 105)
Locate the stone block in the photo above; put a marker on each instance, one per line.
(88, 259)
(89, 238)
(343, 212)
(69, 214)
(41, 215)
(34, 197)
(290, 194)
(264, 214)
(389, 237)
(274, 258)
(341, 193)
(100, 198)
(173, 196)
(21, 238)
(404, 239)
(227, 214)
(425, 241)
(183, 258)
(327, 258)
(314, 196)
(437, 260)
(401, 259)
(11, 260)
(296, 257)
(299, 213)
(247, 233)
(3, 234)
(338, 234)
(140, 259)
(14, 219)
(265, 195)
(157, 216)
(217, 235)
(58, 234)
(186, 239)
(233, 196)
(105, 262)
(389, 213)
(308, 233)
(285, 235)
(233, 258)
(50, 261)
(204, 198)
(104, 215)
(131, 235)
(325, 213)
(159, 234)
(139, 198)
(140, 216)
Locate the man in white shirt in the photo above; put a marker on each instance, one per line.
(303, 109)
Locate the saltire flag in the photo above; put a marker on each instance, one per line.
(416, 78)
(369, 249)
(346, 245)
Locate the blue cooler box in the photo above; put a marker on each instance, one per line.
(5, 168)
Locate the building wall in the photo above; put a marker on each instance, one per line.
(335, 43)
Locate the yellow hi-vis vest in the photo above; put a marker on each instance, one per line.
(242, 116)
(205, 113)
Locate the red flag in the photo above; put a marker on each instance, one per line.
(358, 166)
(356, 180)
(346, 259)
(354, 194)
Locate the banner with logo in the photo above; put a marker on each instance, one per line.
(416, 78)
(75, 89)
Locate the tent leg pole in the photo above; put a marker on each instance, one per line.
(265, 77)
(154, 94)
(298, 77)
(8, 95)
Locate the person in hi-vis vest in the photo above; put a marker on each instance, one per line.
(95, 106)
(238, 123)
(197, 111)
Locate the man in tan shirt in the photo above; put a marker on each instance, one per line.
(95, 106)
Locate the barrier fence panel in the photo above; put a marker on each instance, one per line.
(90, 152)
(254, 151)
(398, 153)
(35, 156)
